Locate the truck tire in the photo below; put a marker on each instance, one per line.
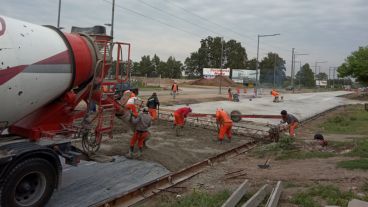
(29, 184)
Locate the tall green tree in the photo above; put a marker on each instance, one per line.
(305, 76)
(145, 66)
(209, 55)
(251, 64)
(173, 68)
(267, 66)
(321, 76)
(356, 65)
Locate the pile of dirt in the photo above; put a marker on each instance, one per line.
(225, 81)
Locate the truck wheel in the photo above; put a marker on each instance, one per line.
(29, 184)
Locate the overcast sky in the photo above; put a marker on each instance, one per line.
(328, 30)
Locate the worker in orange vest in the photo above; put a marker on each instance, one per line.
(142, 122)
(174, 89)
(276, 95)
(225, 125)
(291, 120)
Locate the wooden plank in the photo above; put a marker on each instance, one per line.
(275, 195)
(258, 197)
(237, 195)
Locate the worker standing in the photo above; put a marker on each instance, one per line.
(174, 89)
(230, 94)
(291, 120)
(225, 125)
(153, 103)
(179, 118)
(142, 122)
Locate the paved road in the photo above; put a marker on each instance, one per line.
(303, 105)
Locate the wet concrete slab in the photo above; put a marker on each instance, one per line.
(92, 182)
(302, 105)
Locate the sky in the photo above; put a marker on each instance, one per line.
(326, 30)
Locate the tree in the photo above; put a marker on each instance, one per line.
(173, 68)
(321, 76)
(356, 65)
(209, 56)
(251, 64)
(267, 66)
(305, 76)
(145, 66)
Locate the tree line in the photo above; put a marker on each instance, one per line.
(215, 52)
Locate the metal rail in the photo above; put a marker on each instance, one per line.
(161, 184)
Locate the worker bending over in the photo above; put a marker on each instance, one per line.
(180, 115)
(225, 124)
(132, 105)
(153, 103)
(291, 120)
(142, 122)
(276, 95)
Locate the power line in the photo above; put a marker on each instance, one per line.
(178, 17)
(219, 25)
(151, 18)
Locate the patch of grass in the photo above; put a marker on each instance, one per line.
(360, 149)
(198, 199)
(354, 164)
(304, 200)
(328, 193)
(352, 121)
(302, 155)
(284, 150)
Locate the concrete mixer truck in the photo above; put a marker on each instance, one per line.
(45, 75)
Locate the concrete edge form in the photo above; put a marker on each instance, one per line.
(275, 195)
(237, 195)
(258, 197)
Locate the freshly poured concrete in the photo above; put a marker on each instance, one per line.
(302, 105)
(93, 182)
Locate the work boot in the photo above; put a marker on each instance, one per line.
(220, 141)
(130, 153)
(229, 140)
(140, 152)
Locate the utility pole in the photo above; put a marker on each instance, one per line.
(257, 64)
(58, 20)
(112, 19)
(221, 63)
(292, 67)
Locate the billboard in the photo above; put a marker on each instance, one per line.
(210, 73)
(321, 83)
(243, 75)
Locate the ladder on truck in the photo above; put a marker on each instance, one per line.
(107, 103)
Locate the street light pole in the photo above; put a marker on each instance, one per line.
(222, 54)
(58, 20)
(274, 71)
(257, 64)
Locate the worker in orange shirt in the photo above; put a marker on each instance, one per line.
(225, 125)
(174, 89)
(276, 95)
(291, 120)
(179, 118)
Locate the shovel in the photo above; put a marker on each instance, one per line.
(265, 165)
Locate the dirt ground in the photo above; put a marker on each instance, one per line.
(164, 147)
(297, 174)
